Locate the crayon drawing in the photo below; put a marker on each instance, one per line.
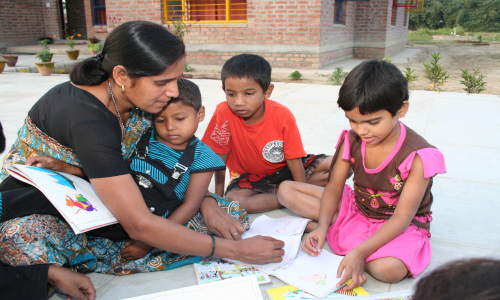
(59, 179)
(81, 203)
(316, 278)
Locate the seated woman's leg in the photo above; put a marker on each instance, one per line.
(40, 239)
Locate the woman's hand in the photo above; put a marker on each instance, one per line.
(353, 265)
(318, 237)
(54, 164)
(75, 285)
(261, 250)
(219, 222)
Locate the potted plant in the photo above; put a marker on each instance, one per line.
(72, 52)
(45, 67)
(2, 65)
(95, 48)
(93, 40)
(10, 59)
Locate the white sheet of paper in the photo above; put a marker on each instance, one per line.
(313, 274)
(244, 288)
(288, 229)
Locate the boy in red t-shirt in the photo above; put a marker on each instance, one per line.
(258, 138)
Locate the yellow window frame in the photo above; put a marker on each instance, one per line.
(186, 9)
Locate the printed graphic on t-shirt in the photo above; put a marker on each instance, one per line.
(221, 136)
(273, 152)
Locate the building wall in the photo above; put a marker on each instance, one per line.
(25, 23)
(76, 17)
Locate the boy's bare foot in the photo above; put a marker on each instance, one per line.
(134, 249)
(311, 226)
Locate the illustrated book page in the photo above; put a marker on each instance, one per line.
(74, 197)
(218, 269)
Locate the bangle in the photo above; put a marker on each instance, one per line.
(213, 248)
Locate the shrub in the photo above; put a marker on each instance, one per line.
(338, 76)
(410, 77)
(435, 73)
(295, 75)
(474, 82)
(188, 68)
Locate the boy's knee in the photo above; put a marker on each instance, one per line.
(387, 269)
(284, 191)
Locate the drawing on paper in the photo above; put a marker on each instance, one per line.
(316, 278)
(81, 202)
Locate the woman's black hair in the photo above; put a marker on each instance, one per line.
(471, 279)
(372, 86)
(144, 48)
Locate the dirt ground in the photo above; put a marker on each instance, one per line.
(454, 56)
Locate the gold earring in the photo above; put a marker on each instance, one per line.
(123, 89)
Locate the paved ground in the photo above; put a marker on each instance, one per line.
(460, 125)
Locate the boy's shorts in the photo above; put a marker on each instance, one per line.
(269, 184)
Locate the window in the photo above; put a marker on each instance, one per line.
(206, 11)
(338, 17)
(99, 8)
(394, 18)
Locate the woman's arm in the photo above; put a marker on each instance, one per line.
(297, 168)
(123, 198)
(196, 191)
(55, 164)
(408, 204)
(220, 177)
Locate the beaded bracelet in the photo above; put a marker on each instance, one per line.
(213, 248)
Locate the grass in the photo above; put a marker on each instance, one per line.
(424, 36)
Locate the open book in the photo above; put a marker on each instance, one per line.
(287, 229)
(216, 269)
(74, 197)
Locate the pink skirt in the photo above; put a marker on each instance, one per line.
(352, 228)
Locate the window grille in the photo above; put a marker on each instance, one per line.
(206, 11)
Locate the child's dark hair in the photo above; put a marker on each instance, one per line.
(248, 65)
(189, 94)
(144, 48)
(467, 280)
(372, 86)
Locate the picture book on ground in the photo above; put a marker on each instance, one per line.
(210, 270)
(316, 275)
(74, 197)
(288, 229)
(289, 292)
(243, 288)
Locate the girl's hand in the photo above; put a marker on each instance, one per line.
(54, 164)
(353, 266)
(318, 236)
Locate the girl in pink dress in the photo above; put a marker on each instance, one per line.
(381, 225)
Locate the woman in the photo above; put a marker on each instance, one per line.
(93, 122)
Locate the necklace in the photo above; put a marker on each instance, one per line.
(116, 107)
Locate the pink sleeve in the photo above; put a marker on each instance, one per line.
(432, 159)
(347, 145)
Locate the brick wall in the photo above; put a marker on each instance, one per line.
(26, 27)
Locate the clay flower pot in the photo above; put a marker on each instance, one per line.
(45, 68)
(2, 65)
(73, 54)
(10, 59)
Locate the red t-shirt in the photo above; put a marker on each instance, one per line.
(261, 148)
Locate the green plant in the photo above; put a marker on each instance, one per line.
(295, 75)
(479, 39)
(387, 59)
(188, 68)
(95, 48)
(44, 54)
(474, 82)
(410, 77)
(70, 42)
(435, 73)
(338, 76)
(178, 26)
